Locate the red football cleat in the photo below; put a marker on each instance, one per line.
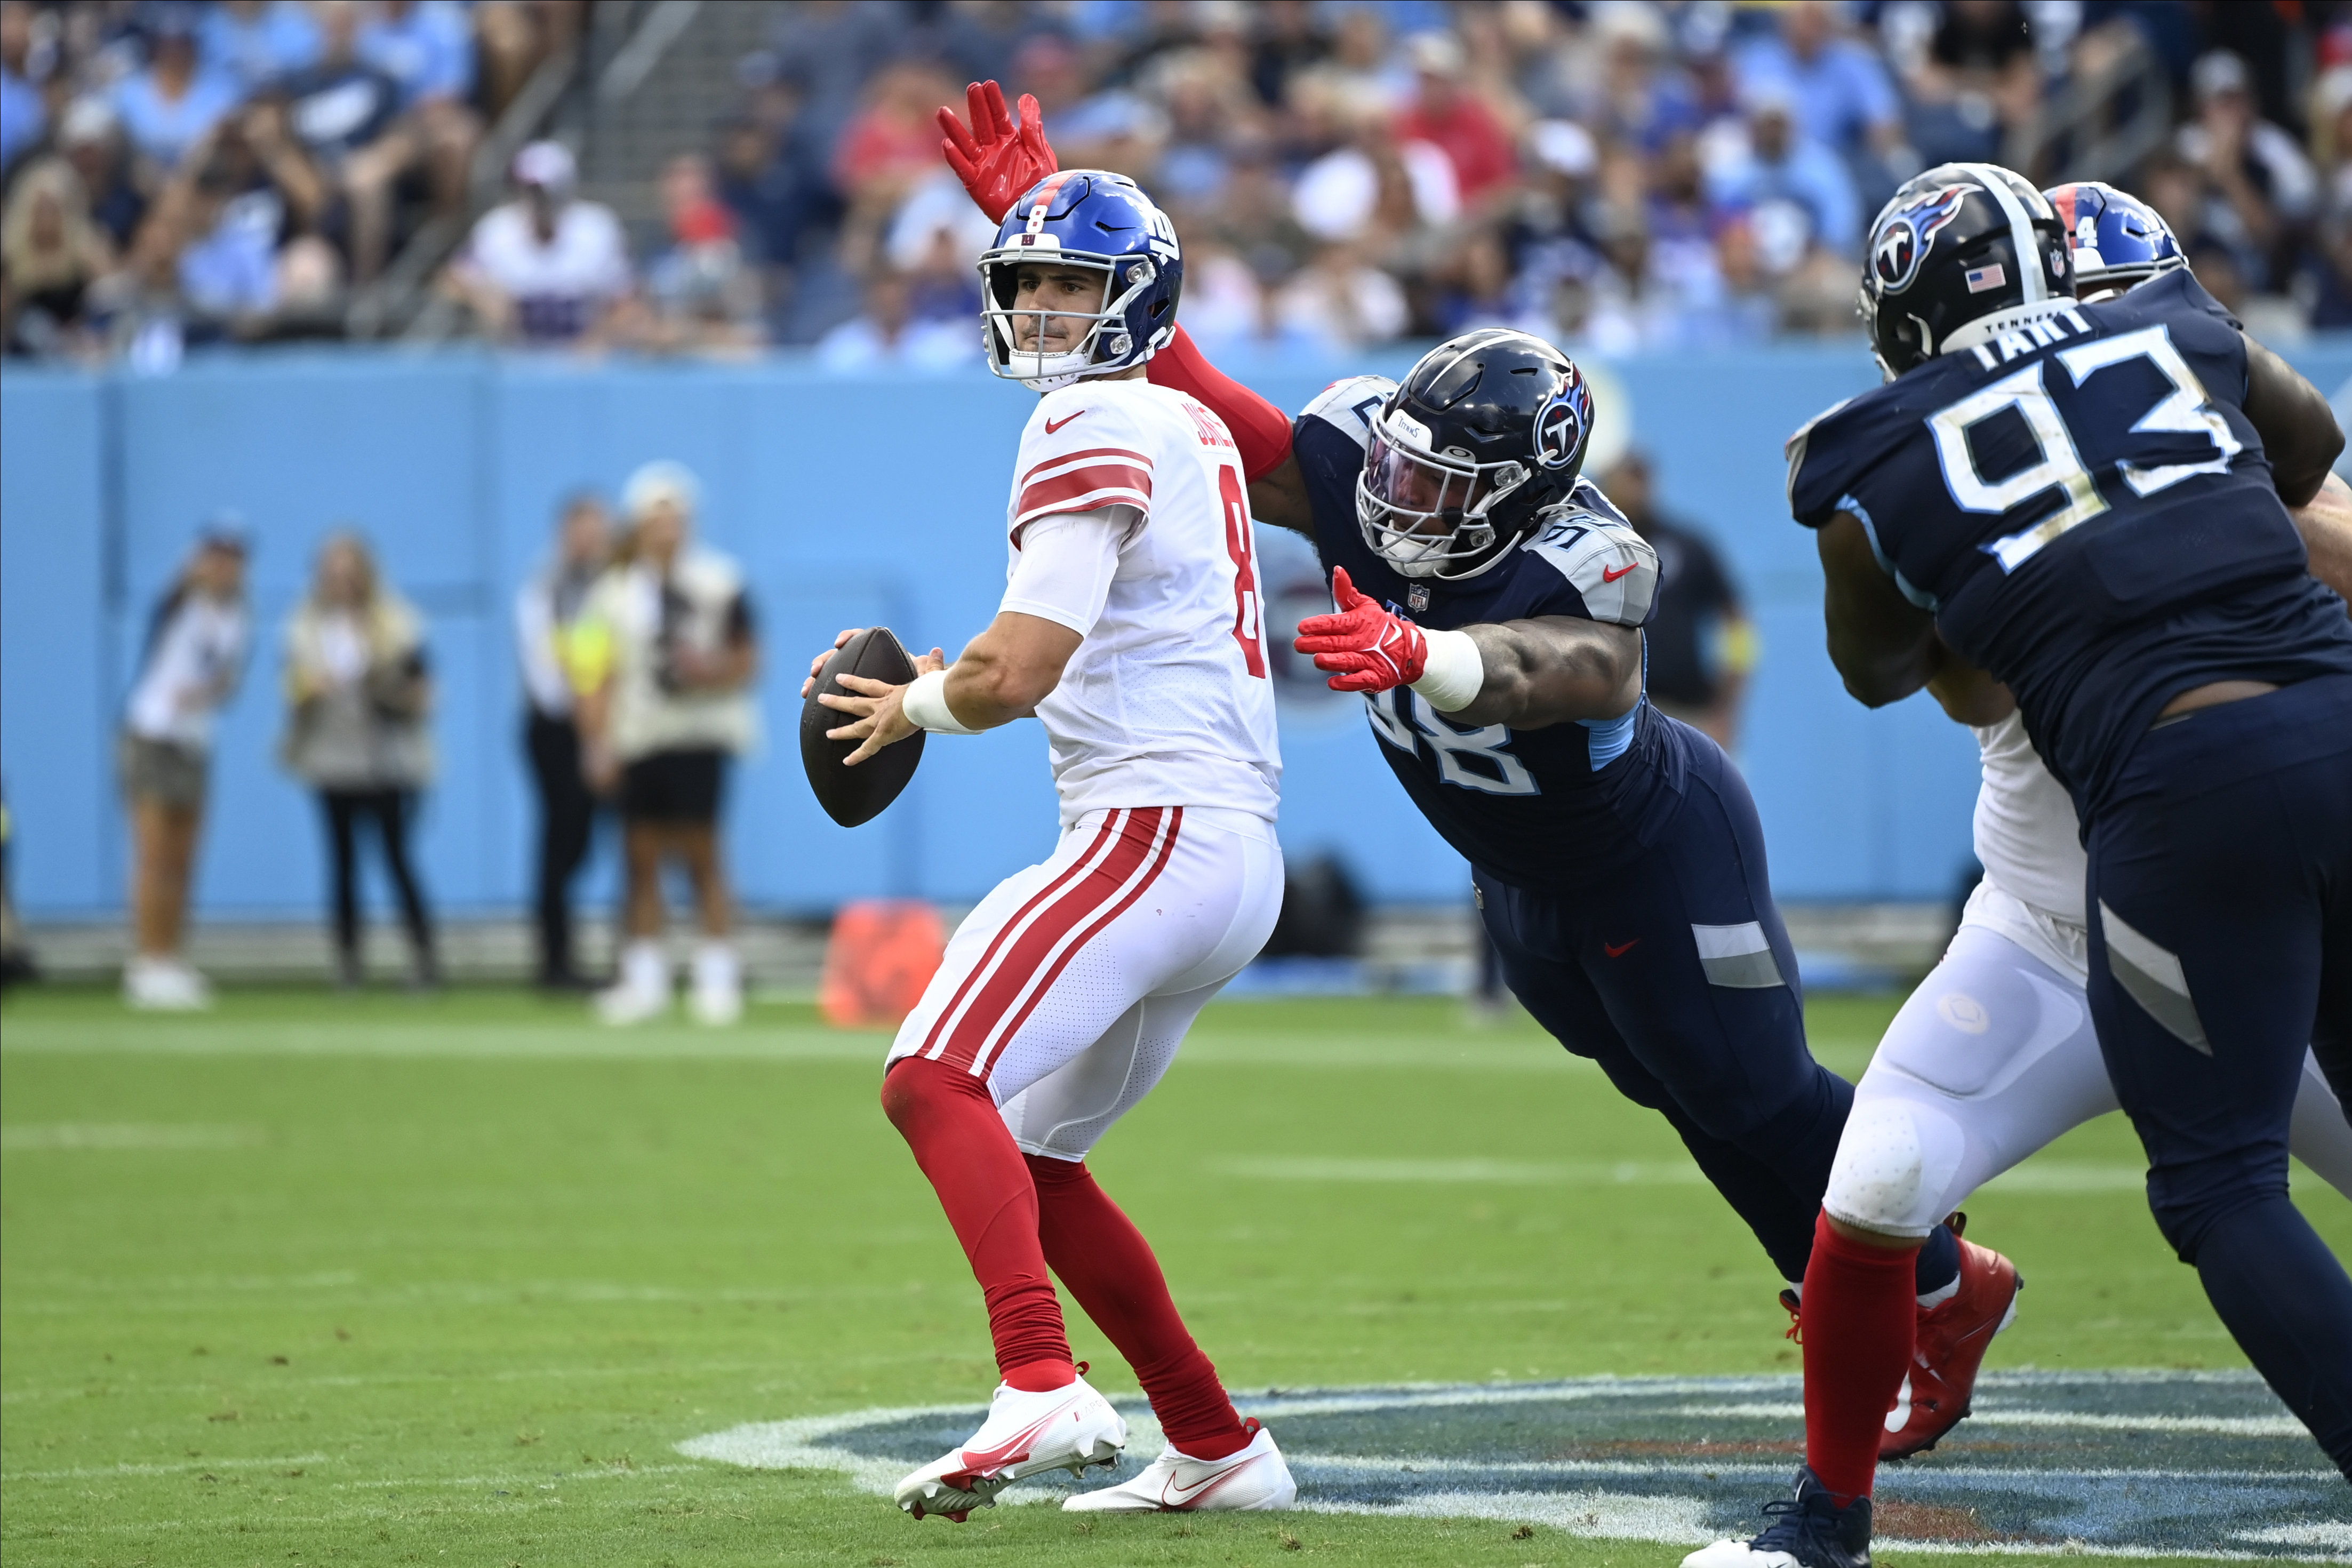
(1949, 1347)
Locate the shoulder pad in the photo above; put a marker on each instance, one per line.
(1349, 405)
(1589, 496)
(1803, 504)
(1613, 567)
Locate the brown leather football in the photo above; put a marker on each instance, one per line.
(858, 795)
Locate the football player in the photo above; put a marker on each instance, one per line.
(1994, 1056)
(1129, 627)
(1617, 858)
(2088, 502)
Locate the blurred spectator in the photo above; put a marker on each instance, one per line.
(50, 255)
(1843, 94)
(1701, 645)
(90, 137)
(1978, 79)
(237, 216)
(666, 705)
(22, 115)
(885, 333)
(423, 46)
(254, 42)
(2259, 187)
(704, 298)
(1339, 302)
(358, 693)
(167, 106)
(515, 37)
(546, 268)
(190, 666)
(1222, 302)
(829, 50)
(2183, 196)
(547, 616)
(1445, 115)
(1797, 194)
(890, 148)
(346, 113)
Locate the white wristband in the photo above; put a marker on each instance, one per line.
(1454, 672)
(926, 706)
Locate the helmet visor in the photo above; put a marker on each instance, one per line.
(1424, 514)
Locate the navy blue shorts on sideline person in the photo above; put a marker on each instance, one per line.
(2220, 891)
(1674, 974)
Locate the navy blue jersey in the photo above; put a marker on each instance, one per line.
(2086, 510)
(1530, 806)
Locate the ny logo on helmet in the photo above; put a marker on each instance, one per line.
(1904, 237)
(1563, 420)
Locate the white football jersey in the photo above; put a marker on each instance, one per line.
(1167, 701)
(2026, 834)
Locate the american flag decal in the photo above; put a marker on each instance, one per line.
(1989, 276)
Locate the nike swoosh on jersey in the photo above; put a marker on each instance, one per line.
(1054, 428)
(1617, 951)
(1606, 574)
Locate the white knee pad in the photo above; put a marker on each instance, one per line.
(1895, 1166)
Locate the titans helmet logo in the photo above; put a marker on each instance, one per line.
(1563, 422)
(1906, 236)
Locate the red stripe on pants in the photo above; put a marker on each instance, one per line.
(1162, 853)
(1052, 890)
(999, 988)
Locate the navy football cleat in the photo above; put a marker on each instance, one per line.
(1808, 1531)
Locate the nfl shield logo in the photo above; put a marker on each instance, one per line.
(1416, 598)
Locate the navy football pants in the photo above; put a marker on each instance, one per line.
(1674, 974)
(2221, 893)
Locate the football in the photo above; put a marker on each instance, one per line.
(858, 795)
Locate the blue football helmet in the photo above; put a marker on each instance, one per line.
(1100, 222)
(2118, 240)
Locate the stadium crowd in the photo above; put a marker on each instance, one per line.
(1618, 175)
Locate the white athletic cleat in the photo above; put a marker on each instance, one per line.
(718, 996)
(642, 992)
(164, 985)
(1254, 1477)
(1066, 1428)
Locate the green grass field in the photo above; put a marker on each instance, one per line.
(311, 1279)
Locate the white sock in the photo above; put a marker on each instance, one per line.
(1796, 1289)
(716, 967)
(644, 968)
(1939, 1297)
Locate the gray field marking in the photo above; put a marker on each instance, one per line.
(2148, 1464)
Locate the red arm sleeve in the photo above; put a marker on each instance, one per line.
(1261, 431)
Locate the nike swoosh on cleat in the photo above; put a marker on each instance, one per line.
(1054, 428)
(1174, 1494)
(1898, 1414)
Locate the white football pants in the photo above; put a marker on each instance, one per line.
(1069, 987)
(1991, 1058)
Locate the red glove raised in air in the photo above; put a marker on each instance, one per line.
(997, 160)
(1372, 649)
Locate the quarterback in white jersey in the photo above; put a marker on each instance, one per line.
(1130, 627)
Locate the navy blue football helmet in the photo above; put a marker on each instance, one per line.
(1100, 222)
(1482, 438)
(2118, 240)
(1958, 253)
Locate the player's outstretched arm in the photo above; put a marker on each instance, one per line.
(2298, 429)
(1554, 669)
(1526, 674)
(2326, 527)
(1884, 646)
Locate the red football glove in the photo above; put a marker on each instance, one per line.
(1372, 649)
(997, 160)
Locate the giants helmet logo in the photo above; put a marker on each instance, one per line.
(1562, 423)
(1904, 237)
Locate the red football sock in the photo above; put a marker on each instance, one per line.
(1109, 1268)
(1860, 1307)
(947, 1118)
